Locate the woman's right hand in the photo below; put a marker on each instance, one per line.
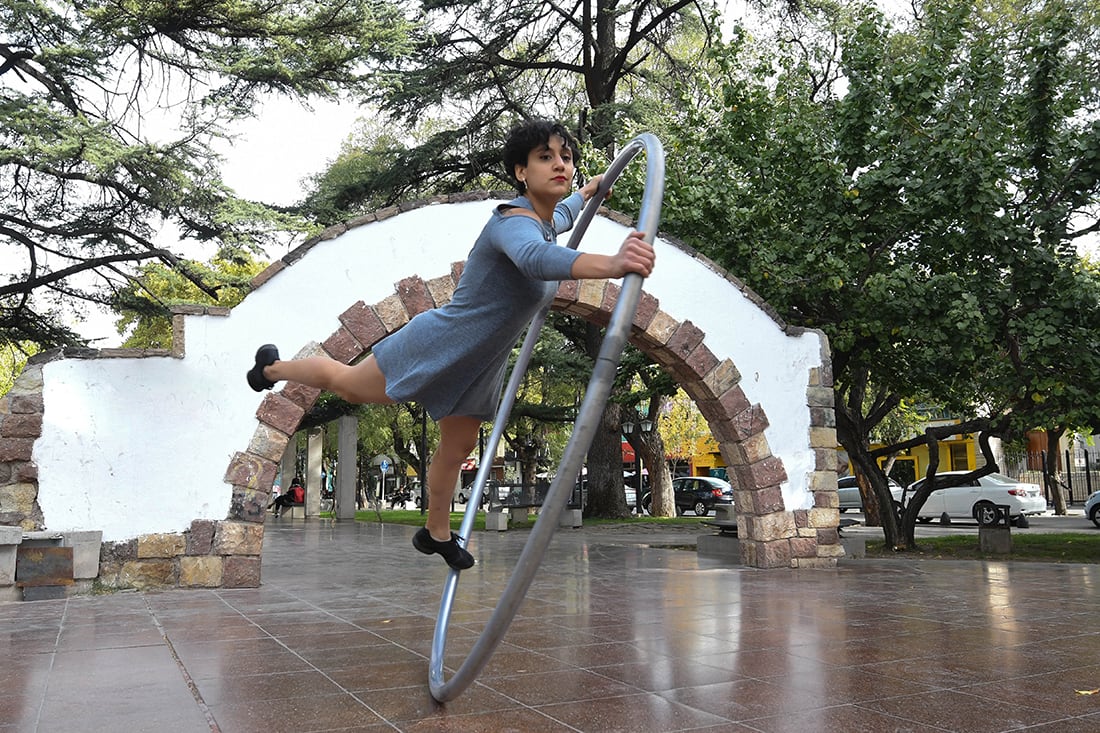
(634, 255)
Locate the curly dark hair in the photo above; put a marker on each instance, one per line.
(531, 134)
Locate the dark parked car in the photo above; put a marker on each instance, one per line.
(697, 493)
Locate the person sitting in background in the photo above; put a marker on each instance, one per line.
(295, 495)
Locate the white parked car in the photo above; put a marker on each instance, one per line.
(978, 498)
(1092, 507)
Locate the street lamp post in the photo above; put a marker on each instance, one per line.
(644, 426)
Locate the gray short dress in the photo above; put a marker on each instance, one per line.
(452, 359)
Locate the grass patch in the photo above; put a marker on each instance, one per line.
(1069, 547)
(414, 518)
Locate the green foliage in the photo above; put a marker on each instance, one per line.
(474, 69)
(392, 430)
(144, 304)
(13, 357)
(894, 215)
(375, 163)
(900, 423)
(916, 198)
(108, 111)
(551, 391)
(682, 426)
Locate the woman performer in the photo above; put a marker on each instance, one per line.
(452, 359)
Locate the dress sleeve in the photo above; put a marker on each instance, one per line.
(522, 240)
(566, 212)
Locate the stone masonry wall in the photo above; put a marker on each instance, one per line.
(226, 553)
(770, 535)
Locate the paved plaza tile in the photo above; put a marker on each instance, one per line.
(619, 632)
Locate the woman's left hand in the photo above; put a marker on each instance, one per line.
(590, 189)
(635, 255)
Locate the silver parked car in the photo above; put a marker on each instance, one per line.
(848, 491)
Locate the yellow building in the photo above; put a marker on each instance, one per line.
(957, 453)
(706, 460)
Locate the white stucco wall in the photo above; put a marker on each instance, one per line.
(134, 446)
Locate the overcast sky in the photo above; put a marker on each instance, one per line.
(286, 144)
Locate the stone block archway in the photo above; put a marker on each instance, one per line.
(771, 534)
(764, 388)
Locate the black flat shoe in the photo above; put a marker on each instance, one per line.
(454, 554)
(266, 355)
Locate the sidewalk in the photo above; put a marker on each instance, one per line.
(617, 634)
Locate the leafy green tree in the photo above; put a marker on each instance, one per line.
(107, 115)
(13, 357)
(546, 405)
(144, 303)
(392, 430)
(682, 426)
(349, 185)
(921, 213)
(473, 70)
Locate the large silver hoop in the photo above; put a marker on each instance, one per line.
(595, 398)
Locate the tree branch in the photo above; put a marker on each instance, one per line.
(25, 286)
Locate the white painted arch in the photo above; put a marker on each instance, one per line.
(136, 446)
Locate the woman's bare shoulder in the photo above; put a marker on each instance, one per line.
(508, 210)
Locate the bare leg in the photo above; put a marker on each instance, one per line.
(362, 383)
(457, 438)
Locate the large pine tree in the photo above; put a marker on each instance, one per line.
(107, 114)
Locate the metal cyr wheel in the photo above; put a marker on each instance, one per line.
(599, 387)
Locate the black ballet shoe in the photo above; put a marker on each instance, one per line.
(266, 355)
(454, 554)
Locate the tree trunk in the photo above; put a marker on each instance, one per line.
(865, 465)
(605, 469)
(660, 488)
(1050, 471)
(931, 438)
(651, 450)
(528, 457)
(872, 507)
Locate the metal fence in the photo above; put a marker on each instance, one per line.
(1077, 473)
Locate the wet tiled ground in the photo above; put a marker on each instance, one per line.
(614, 636)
